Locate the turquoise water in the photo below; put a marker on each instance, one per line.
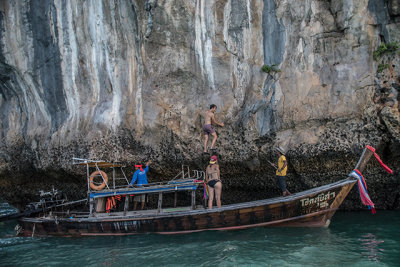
(353, 239)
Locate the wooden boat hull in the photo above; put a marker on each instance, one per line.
(311, 208)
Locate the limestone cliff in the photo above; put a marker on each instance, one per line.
(127, 81)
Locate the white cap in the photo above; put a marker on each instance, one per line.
(279, 149)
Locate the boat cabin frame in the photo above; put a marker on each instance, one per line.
(185, 180)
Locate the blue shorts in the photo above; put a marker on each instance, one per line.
(282, 183)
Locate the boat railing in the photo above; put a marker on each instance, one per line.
(70, 214)
(185, 180)
(118, 184)
(186, 173)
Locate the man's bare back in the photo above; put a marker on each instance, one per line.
(209, 118)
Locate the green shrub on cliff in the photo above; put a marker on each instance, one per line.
(386, 48)
(267, 68)
(382, 67)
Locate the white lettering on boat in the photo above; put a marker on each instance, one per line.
(127, 225)
(320, 200)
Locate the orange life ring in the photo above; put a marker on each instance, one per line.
(98, 187)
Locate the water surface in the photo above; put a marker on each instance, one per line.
(353, 239)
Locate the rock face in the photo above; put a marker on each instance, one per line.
(128, 81)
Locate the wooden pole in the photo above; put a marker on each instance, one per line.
(159, 202)
(193, 199)
(113, 170)
(88, 178)
(91, 206)
(175, 199)
(126, 206)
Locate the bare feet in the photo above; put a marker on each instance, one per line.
(286, 193)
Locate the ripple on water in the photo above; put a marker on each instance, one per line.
(353, 239)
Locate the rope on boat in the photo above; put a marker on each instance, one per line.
(362, 185)
(362, 190)
(379, 159)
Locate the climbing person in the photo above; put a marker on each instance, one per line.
(281, 170)
(213, 180)
(140, 176)
(208, 128)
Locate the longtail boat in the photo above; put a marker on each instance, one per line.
(310, 208)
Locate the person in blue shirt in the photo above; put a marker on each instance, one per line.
(140, 176)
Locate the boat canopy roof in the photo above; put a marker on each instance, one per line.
(102, 164)
(96, 163)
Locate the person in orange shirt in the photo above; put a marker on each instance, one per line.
(281, 170)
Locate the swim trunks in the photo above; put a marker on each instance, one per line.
(212, 183)
(208, 129)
